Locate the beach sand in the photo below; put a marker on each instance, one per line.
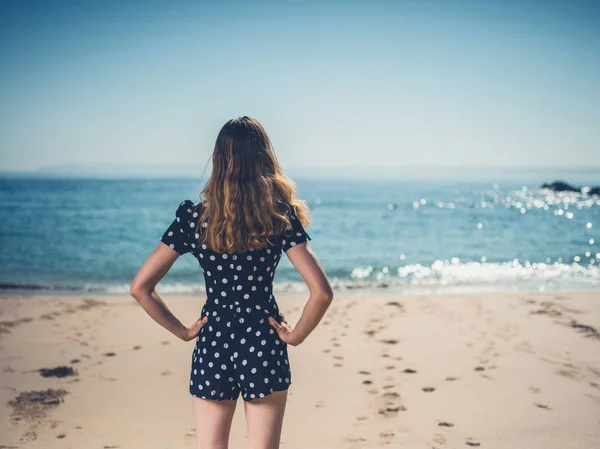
(490, 370)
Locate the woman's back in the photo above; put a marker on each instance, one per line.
(239, 299)
(231, 277)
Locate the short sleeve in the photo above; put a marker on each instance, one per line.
(294, 234)
(177, 235)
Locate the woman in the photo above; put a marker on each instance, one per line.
(249, 216)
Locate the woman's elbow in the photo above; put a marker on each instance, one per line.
(134, 291)
(326, 294)
(137, 291)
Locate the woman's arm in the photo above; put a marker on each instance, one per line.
(321, 295)
(143, 290)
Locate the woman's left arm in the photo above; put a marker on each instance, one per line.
(143, 290)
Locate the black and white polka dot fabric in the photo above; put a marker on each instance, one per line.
(237, 351)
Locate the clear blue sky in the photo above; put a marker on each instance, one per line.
(343, 85)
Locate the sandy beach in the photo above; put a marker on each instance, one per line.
(491, 370)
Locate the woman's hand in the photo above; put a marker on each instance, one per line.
(285, 331)
(191, 332)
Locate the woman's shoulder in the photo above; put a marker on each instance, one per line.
(188, 210)
(184, 207)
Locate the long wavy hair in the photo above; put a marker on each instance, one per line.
(247, 199)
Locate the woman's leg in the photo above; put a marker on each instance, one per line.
(213, 422)
(264, 419)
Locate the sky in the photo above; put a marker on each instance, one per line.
(126, 86)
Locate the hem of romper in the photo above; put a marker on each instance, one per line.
(214, 399)
(268, 393)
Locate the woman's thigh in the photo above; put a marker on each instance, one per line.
(213, 422)
(264, 420)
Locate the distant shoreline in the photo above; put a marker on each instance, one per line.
(413, 172)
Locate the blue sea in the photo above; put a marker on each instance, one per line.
(77, 235)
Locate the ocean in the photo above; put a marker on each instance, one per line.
(92, 235)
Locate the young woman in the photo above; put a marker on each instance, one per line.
(249, 216)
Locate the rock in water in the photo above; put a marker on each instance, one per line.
(560, 186)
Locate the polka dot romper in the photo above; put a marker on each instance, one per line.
(237, 350)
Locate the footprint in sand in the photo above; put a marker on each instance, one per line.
(410, 371)
(338, 357)
(570, 374)
(108, 379)
(109, 354)
(390, 411)
(545, 407)
(585, 329)
(386, 436)
(451, 378)
(338, 364)
(438, 438)
(391, 394)
(428, 389)
(59, 371)
(445, 424)
(395, 304)
(390, 341)
(472, 443)
(479, 368)
(355, 439)
(367, 382)
(136, 347)
(364, 372)
(535, 390)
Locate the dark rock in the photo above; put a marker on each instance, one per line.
(560, 186)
